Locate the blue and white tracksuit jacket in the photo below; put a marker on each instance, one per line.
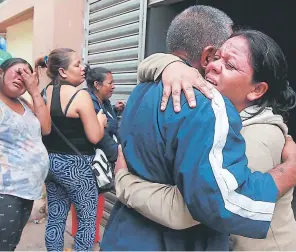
(201, 151)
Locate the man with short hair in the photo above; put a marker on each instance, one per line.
(187, 149)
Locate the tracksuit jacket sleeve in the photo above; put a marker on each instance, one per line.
(210, 170)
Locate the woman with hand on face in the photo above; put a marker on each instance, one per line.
(251, 70)
(24, 160)
(71, 179)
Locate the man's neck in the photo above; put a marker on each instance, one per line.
(184, 56)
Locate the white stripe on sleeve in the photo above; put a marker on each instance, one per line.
(234, 202)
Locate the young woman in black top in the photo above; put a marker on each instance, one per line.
(71, 179)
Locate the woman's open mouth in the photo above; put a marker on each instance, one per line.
(18, 85)
(211, 81)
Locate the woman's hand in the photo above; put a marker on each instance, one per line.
(30, 80)
(119, 106)
(120, 163)
(178, 76)
(102, 118)
(39, 108)
(289, 150)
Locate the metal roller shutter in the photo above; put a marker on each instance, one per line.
(116, 40)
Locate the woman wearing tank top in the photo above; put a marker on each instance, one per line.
(71, 179)
(24, 160)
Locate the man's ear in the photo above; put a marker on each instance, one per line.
(206, 56)
(259, 90)
(62, 73)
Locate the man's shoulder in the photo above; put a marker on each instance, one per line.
(201, 99)
(218, 97)
(145, 96)
(146, 90)
(147, 86)
(220, 106)
(219, 101)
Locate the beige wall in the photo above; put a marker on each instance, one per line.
(69, 28)
(12, 10)
(20, 40)
(56, 23)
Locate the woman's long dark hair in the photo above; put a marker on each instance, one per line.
(270, 66)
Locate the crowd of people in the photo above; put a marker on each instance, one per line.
(202, 159)
(33, 153)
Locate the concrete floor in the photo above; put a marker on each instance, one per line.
(33, 237)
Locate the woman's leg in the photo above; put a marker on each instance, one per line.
(58, 208)
(84, 195)
(14, 214)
